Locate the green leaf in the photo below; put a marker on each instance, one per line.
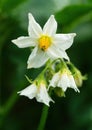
(71, 15)
(8, 5)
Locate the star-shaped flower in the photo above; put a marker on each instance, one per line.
(47, 44)
(64, 80)
(38, 91)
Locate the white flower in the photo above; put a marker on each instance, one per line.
(37, 91)
(47, 44)
(64, 80)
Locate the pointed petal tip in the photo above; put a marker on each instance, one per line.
(67, 58)
(29, 66)
(52, 101)
(52, 16)
(19, 93)
(29, 15)
(74, 34)
(13, 41)
(78, 90)
(47, 104)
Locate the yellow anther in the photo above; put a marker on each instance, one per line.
(44, 42)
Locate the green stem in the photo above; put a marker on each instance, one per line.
(43, 118)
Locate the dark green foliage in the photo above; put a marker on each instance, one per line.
(73, 112)
(72, 15)
(9, 5)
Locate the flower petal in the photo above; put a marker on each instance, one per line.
(29, 92)
(72, 84)
(50, 27)
(34, 28)
(64, 55)
(64, 82)
(42, 95)
(37, 58)
(23, 42)
(54, 52)
(54, 80)
(67, 81)
(64, 41)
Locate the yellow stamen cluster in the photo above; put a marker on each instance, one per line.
(44, 42)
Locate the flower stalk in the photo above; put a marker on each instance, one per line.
(43, 118)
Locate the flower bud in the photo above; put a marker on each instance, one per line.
(78, 77)
(59, 92)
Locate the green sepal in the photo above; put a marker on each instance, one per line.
(29, 80)
(59, 92)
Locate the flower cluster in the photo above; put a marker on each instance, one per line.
(49, 50)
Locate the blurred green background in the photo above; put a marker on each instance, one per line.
(74, 112)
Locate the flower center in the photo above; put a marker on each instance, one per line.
(44, 42)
